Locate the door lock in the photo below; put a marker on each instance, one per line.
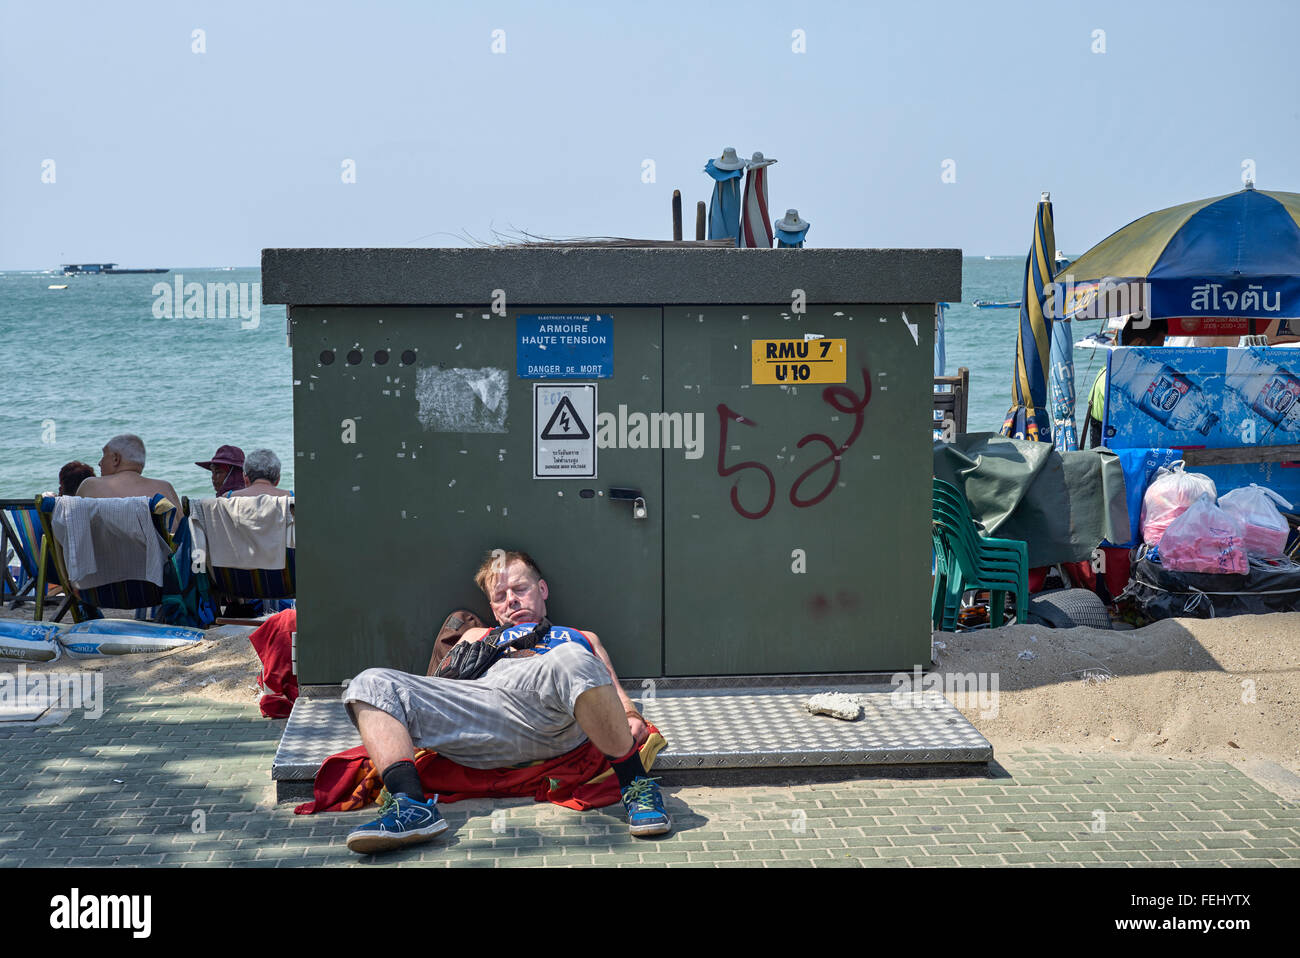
(633, 496)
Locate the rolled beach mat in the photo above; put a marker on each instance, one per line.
(29, 641)
(124, 637)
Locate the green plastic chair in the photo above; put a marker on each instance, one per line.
(963, 569)
(952, 557)
(983, 561)
(965, 560)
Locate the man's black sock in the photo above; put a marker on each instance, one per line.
(627, 768)
(402, 777)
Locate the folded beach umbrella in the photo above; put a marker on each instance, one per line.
(1235, 256)
(790, 230)
(1029, 418)
(724, 205)
(755, 224)
(1060, 382)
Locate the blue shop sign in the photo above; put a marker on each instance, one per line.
(565, 346)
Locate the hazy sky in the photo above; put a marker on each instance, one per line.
(163, 156)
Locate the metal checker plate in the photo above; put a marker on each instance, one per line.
(775, 730)
(317, 728)
(758, 730)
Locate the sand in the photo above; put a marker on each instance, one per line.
(222, 667)
(1224, 689)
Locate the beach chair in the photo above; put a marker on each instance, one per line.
(23, 537)
(966, 560)
(228, 585)
(129, 594)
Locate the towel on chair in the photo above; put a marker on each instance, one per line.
(246, 532)
(108, 540)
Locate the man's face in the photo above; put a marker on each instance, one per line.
(108, 464)
(518, 596)
(219, 473)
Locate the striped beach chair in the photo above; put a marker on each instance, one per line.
(22, 538)
(226, 585)
(128, 594)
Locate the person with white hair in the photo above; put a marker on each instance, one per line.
(121, 476)
(262, 473)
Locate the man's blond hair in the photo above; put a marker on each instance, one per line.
(494, 565)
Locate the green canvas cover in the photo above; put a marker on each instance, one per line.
(1060, 504)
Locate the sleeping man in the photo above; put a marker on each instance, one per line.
(532, 704)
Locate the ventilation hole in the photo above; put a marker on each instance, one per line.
(381, 357)
(587, 493)
(327, 357)
(408, 357)
(354, 357)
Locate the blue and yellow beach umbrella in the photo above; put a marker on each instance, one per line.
(1029, 416)
(1232, 256)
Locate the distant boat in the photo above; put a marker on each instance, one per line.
(81, 269)
(52, 286)
(986, 304)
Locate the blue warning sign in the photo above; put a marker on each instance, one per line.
(565, 346)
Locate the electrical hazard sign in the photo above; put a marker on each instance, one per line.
(790, 362)
(564, 431)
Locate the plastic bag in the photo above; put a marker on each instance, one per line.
(1171, 493)
(1263, 527)
(1204, 538)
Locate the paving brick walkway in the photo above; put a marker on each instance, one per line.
(184, 782)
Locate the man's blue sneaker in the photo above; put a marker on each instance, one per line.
(402, 821)
(645, 808)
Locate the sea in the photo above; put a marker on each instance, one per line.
(114, 354)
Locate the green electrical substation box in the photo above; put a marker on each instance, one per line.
(719, 458)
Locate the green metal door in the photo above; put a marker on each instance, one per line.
(799, 542)
(421, 439)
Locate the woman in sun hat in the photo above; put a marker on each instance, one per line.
(227, 468)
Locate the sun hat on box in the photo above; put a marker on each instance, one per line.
(791, 222)
(225, 456)
(729, 160)
(791, 230)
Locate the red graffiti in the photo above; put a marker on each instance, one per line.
(725, 415)
(840, 398)
(852, 406)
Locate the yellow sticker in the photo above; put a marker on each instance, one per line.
(782, 362)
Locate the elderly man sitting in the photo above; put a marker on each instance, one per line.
(531, 704)
(262, 473)
(121, 475)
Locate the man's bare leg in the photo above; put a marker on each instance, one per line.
(599, 712)
(385, 738)
(388, 742)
